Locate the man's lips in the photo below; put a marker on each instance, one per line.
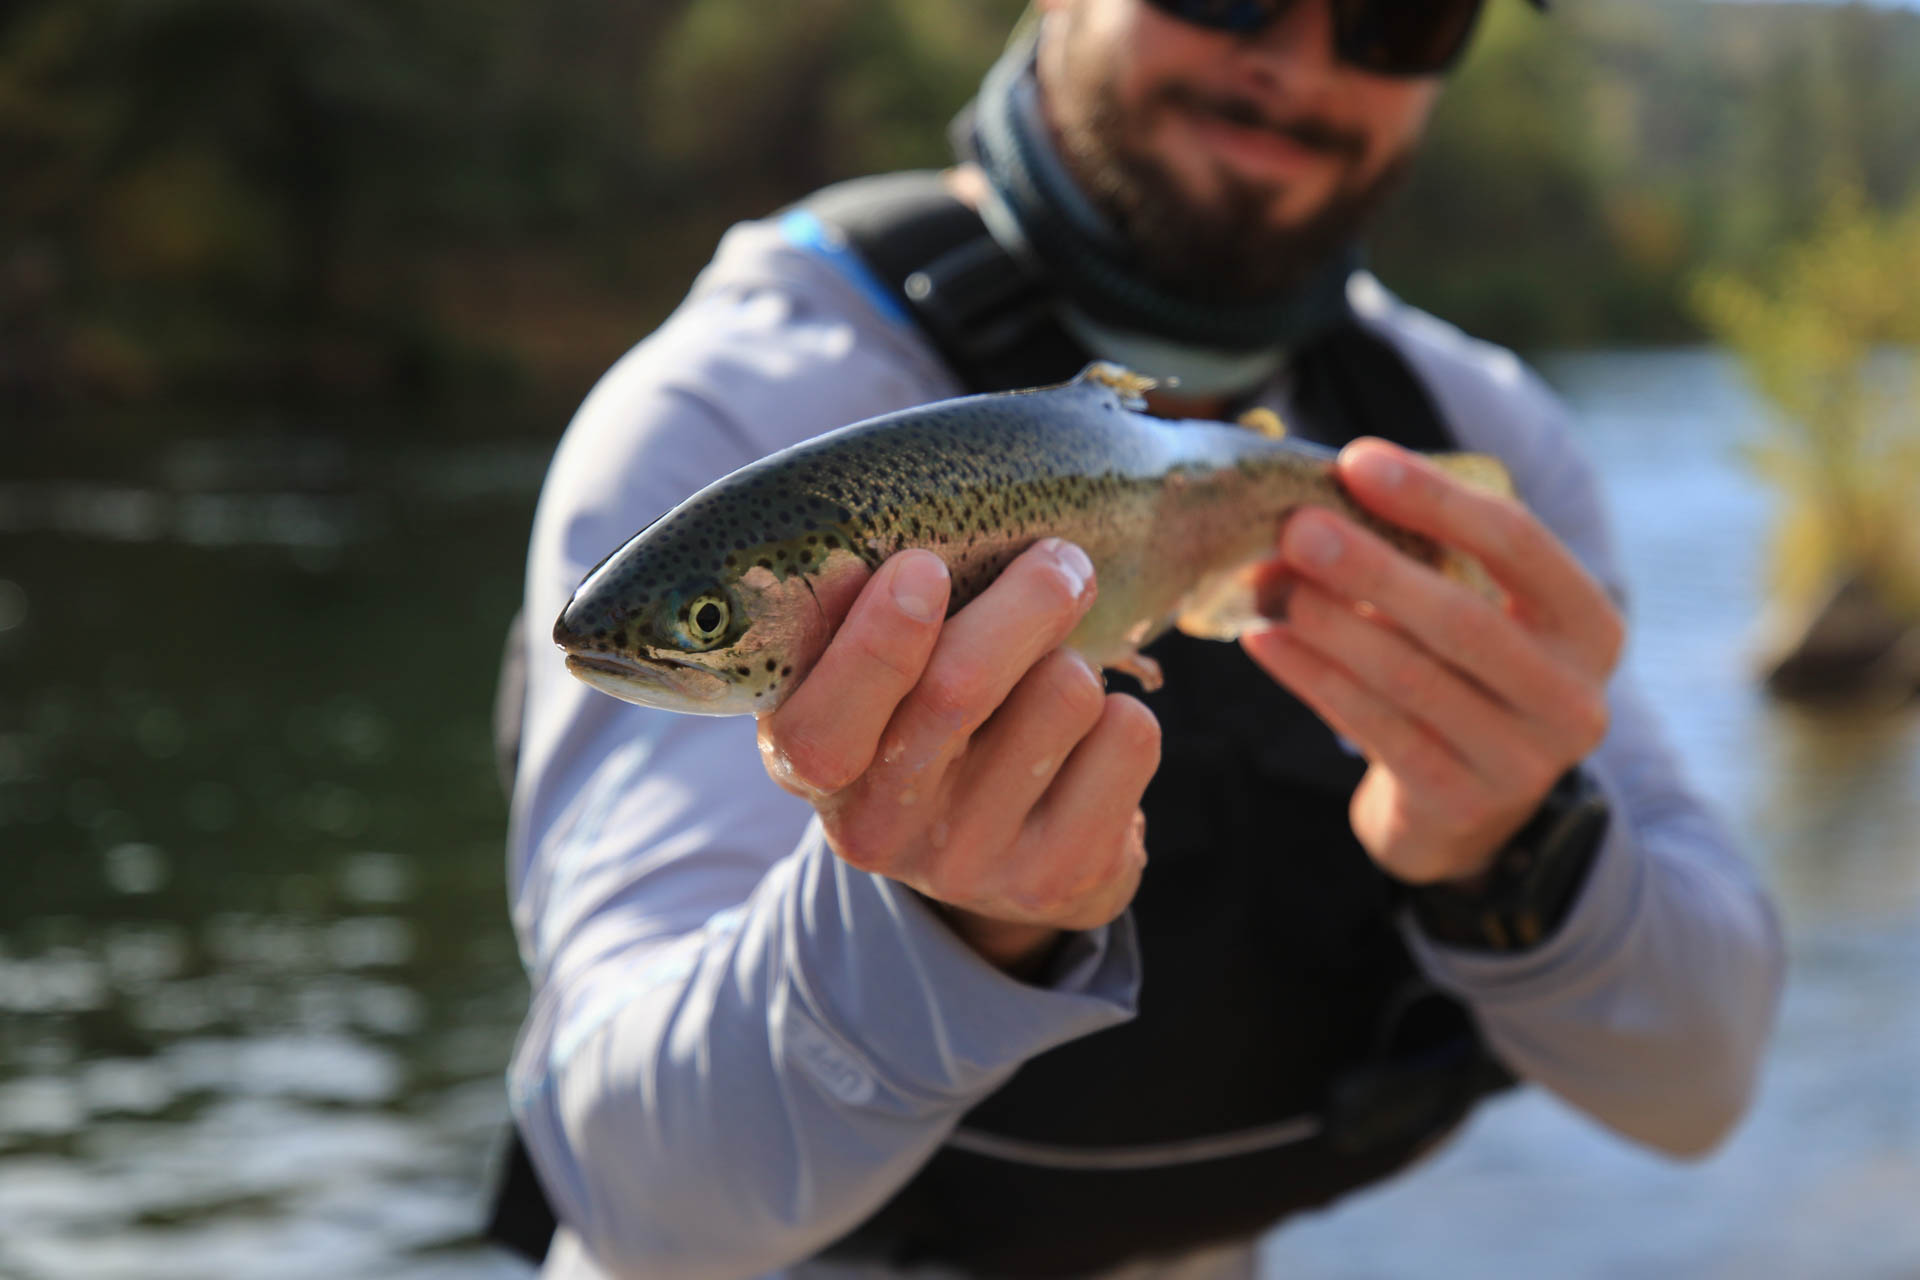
(1258, 148)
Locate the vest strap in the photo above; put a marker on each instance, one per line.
(989, 316)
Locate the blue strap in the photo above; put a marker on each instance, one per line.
(806, 231)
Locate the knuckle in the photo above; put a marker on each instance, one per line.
(1031, 893)
(955, 690)
(1472, 810)
(1612, 638)
(1367, 567)
(1434, 771)
(1535, 775)
(1043, 900)
(1311, 611)
(1409, 681)
(1509, 527)
(819, 768)
(1136, 724)
(1462, 621)
(1115, 889)
(1076, 687)
(893, 650)
(1593, 718)
(798, 758)
(858, 846)
(943, 883)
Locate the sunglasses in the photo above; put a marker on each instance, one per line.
(1386, 37)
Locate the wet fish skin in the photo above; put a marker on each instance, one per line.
(722, 605)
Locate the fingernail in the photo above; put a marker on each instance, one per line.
(919, 586)
(1315, 544)
(1073, 563)
(1380, 469)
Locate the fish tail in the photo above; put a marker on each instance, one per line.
(1480, 471)
(1488, 474)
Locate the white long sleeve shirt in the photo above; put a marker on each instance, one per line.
(739, 1046)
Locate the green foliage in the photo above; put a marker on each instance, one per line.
(779, 99)
(206, 194)
(1830, 334)
(1585, 164)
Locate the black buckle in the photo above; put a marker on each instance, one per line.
(1429, 1066)
(977, 301)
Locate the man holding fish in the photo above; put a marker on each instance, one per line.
(980, 968)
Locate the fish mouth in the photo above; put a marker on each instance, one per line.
(607, 664)
(660, 681)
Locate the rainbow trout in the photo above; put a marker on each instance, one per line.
(721, 606)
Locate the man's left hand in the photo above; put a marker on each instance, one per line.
(1467, 710)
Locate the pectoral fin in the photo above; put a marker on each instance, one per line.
(1222, 605)
(1141, 668)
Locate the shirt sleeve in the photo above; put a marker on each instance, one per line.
(738, 1046)
(1650, 1007)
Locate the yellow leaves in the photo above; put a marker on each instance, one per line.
(818, 88)
(1649, 232)
(1828, 337)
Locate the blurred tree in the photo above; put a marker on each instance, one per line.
(356, 191)
(1830, 334)
(775, 102)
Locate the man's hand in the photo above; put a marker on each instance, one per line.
(1467, 712)
(977, 761)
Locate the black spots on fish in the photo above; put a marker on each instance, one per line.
(772, 664)
(785, 672)
(806, 557)
(764, 563)
(743, 671)
(831, 541)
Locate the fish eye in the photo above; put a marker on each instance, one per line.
(705, 619)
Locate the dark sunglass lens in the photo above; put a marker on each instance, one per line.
(1403, 37)
(1223, 15)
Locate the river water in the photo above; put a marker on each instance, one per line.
(257, 989)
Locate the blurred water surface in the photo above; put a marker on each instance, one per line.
(257, 988)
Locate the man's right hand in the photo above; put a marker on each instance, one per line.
(975, 761)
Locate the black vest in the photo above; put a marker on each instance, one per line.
(1277, 994)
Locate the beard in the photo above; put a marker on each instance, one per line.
(1227, 248)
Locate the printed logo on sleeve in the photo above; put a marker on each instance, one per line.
(838, 1072)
